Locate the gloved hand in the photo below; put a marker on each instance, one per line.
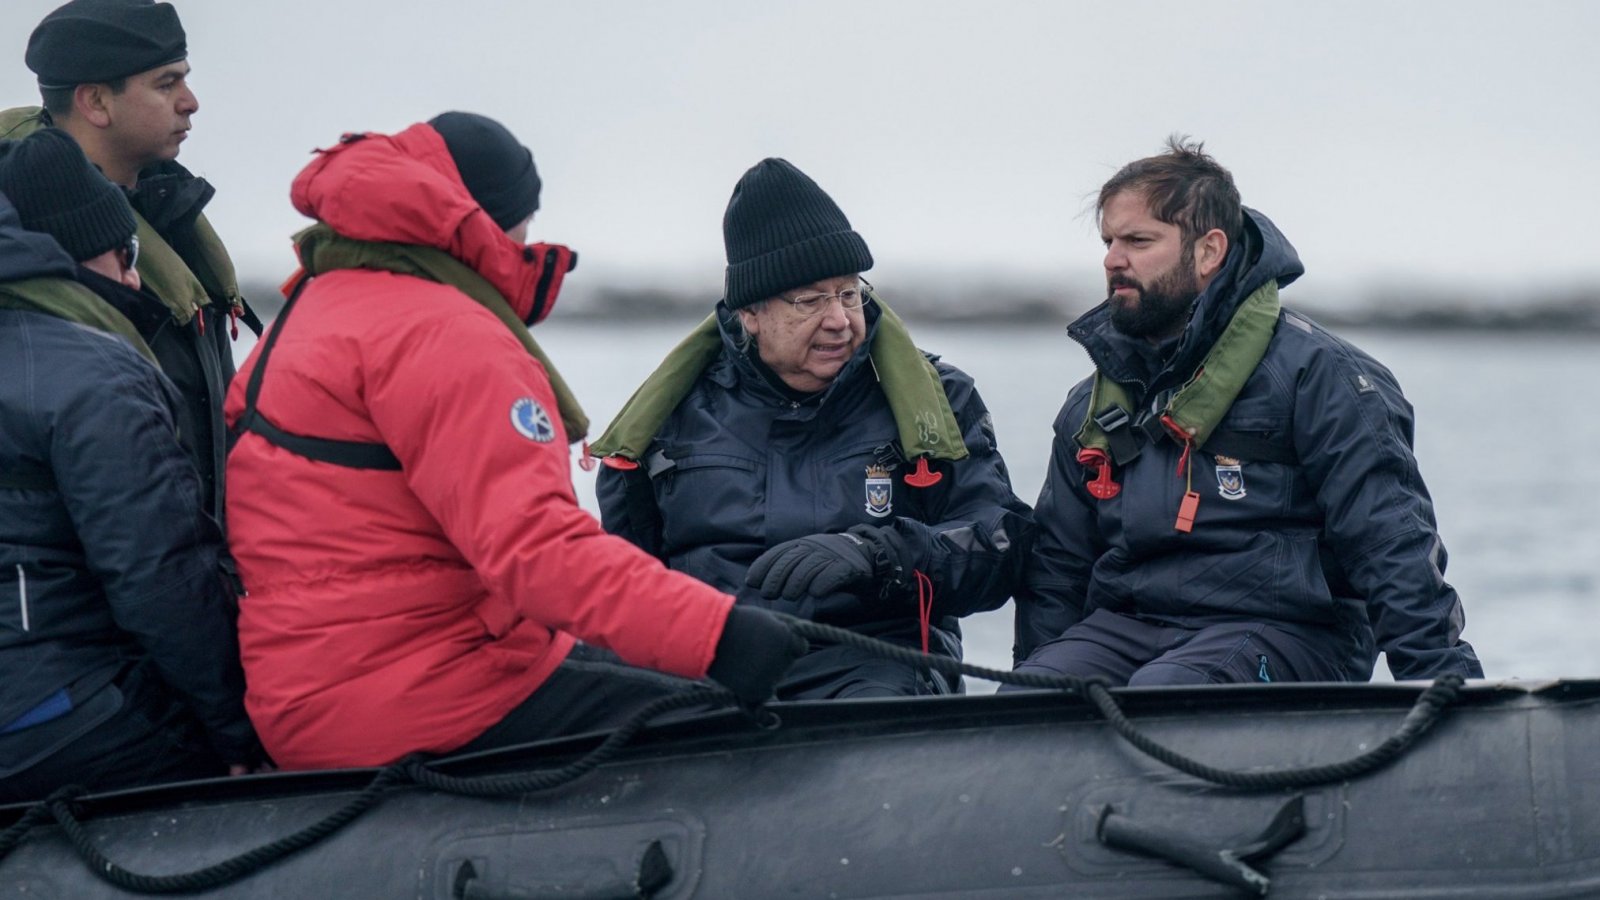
(755, 649)
(823, 564)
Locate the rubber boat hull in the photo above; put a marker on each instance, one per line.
(983, 796)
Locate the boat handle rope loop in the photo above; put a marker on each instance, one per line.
(67, 809)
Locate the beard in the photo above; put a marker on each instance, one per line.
(1161, 309)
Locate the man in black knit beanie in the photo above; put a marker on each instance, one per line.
(814, 461)
(119, 665)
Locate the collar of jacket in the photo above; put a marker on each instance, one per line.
(66, 299)
(321, 250)
(1199, 405)
(183, 285)
(926, 424)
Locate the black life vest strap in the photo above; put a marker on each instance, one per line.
(1128, 438)
(350, 454)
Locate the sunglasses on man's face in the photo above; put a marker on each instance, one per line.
(129, 254)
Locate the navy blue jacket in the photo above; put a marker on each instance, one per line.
(1343, 538)
(108, 561)
(750, 468)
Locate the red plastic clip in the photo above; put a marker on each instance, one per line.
(585, 461)
(620, 463)
(923, 477)
(1102, 487)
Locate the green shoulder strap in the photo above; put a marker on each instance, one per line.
(214, 268)
(167, 276)
(72, 301)
(18, 122)
(323, 250)
(1200, 404)
(922, 413)
(647, 410)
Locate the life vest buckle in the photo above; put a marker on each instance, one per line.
(1118, 427)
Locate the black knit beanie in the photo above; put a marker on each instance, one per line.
(498, 171)
(88, 41)
(782, 231)
(58, 192)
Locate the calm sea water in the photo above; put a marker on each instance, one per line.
(1514, 468)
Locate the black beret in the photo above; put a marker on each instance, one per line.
(89, 41)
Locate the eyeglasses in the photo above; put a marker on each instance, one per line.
(808, 305)
(130, 252)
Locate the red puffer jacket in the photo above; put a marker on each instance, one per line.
(397, 611)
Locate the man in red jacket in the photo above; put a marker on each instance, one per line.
(402, 511)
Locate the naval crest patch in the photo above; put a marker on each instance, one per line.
(880, 491)
(1230, 478)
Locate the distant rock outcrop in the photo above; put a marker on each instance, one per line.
(979, 298)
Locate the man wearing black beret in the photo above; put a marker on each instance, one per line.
(114, 75)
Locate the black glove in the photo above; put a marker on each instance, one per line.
(823, 564)
(755, 649)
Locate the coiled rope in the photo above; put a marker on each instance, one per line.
(61, 807)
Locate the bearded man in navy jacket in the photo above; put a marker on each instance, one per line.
(1232, 495)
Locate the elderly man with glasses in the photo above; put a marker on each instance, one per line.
(799, 451)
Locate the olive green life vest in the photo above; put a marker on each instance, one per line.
(1196, 408)
(185, 289)
(66, 299)
(321, 250)
(926, 424)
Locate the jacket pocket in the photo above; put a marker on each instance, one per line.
(710, 498)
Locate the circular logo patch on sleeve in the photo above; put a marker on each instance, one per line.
(531, 421)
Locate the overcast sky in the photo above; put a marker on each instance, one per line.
(1443, 139)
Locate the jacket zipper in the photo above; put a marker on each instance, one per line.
(22, 594)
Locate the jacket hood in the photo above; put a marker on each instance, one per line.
(405, 189)
(29, 254)
(1263, 255)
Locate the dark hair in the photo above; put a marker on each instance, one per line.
(1184, 187)
(58, 100)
